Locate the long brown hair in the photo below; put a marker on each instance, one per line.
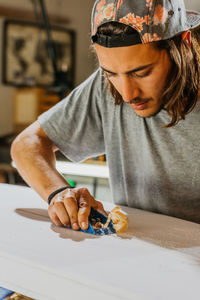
(180, 93)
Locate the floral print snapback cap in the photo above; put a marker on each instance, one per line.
(153, 19)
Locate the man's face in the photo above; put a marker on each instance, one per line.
(138, 73)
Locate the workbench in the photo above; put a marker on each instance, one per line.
(94, 171)
(158, 257)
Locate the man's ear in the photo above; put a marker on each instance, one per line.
(186, 36)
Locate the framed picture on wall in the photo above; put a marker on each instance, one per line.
(26, 60)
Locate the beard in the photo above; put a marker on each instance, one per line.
(119, 100)
(153, 114)
(144, 100)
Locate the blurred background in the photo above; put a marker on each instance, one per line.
(74, 15)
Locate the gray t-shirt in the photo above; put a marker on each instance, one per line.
(150, 167)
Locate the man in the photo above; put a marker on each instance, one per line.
(139, 108)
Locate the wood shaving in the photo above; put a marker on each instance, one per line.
(16, 296)
(119, 220)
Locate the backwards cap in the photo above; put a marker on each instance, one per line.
(153, 20)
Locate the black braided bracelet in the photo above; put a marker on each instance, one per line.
(58, 191)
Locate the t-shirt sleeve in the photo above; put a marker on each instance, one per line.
(74, 125)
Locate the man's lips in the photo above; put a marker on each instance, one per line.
(140, 105)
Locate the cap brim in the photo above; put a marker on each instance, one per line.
(193, 18)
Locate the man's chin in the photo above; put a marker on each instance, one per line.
(147, 113)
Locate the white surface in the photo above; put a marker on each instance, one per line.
(157, 258)
(82, 169)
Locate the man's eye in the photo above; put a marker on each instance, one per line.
(142, 75)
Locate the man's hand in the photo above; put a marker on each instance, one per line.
(71, 207)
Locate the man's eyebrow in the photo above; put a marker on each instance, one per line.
(131, 71)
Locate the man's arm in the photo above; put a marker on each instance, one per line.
(34, 155)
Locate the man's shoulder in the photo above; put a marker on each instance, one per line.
(94, 87)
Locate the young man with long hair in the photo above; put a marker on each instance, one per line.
(140, 108)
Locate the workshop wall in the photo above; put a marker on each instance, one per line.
(78, 13)
(6, 100)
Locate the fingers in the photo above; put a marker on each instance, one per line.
(67, 209)
(72, 208)
(86, 201)
(58, 212)
(53, 216)
(83, 213)
(62, 213)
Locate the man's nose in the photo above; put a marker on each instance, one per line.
(129, 90)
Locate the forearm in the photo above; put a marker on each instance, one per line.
(35, 160)
(33, 153)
